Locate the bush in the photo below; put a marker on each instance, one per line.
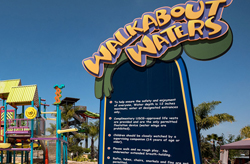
(86, 150)
(75, 159)
(80, 159)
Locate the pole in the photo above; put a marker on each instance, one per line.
(14, 153)
(5, 120)
(31, 136)
(39, 115)
(58, 136)
(63, 150)
(66, 150)
(58, 122)
(1, 130)
(5, 129)
(22, 140)
(44, 115)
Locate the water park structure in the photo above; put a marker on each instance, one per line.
(18, 133)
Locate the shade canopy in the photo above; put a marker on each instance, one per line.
(69, 101)
(23, 95)
(6, 85)
(243, 144)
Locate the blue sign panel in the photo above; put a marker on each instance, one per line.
(149, 117)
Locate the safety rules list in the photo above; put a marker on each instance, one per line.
(146, 131)
(146, 119)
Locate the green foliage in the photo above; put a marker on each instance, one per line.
(51, 129)
(205, 148)
(210, 147)
(86, 150)
(67, 112)
(23, 123)
(216, 141)
(204, 119)
(80, 159)
(20, 116)
(245, 132)
(76, 149)
(92, 131)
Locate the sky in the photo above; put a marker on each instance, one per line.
(43, 42)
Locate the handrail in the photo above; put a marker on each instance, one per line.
(48, 112)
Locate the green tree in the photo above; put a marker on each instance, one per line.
(204, 119)
(92, 131)
(51, 129)
(205, 148)
(67, 113)
(76, 149)
(245, 132)
(216, 141)
(213, 139)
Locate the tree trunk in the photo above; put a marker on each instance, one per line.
(199, 136)
(92, 148)
(214, 149)
(86, 141)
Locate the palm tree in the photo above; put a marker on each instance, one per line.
(213, 138)
(245, 132)
(204, 119)
(92, 131)
(67, 114)
(51, 129)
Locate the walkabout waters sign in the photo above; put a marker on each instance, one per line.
(146, 105)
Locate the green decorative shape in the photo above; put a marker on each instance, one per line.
(172, 53)
(209, 49)
(59, 86)
(104, 85)
(98, 87)
(91, 114)
(150, 62)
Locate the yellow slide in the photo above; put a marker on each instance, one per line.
(5, 145)
(26, 145)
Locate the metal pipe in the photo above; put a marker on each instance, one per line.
(53, 119)
(48, 112)
(67, 130)
(31, 136)
(5, 120)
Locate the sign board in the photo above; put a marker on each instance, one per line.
(146, 106)
(149, 117)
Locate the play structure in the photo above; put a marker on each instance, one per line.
(20, 134)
